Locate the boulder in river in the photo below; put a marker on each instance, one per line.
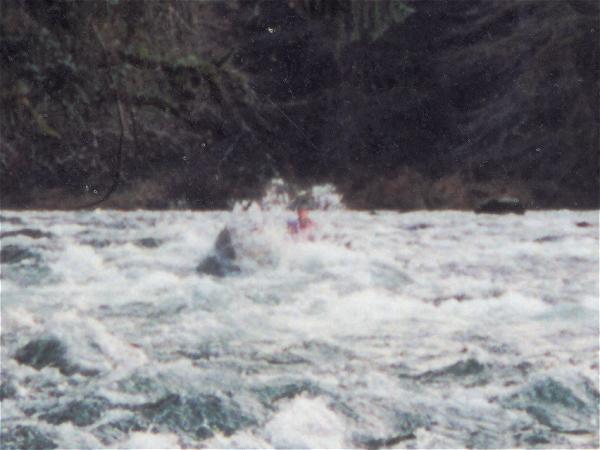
(43, 352)
(467, 370)
(11, 220)
(148, 242)
(222, 261)
(28, 232)
(12, 254)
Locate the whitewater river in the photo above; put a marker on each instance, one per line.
(418, 330)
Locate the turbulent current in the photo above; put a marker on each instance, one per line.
(425, 329)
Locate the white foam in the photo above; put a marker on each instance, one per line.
(306, 423)
(398, 299)
(92, 345)
(242, 439)
(141, 440)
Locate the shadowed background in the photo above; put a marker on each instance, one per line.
(401, 104)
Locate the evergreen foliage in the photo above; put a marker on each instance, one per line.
(195, 103)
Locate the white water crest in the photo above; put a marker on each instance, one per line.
(416, 330)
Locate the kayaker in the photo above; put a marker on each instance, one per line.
(302, 223)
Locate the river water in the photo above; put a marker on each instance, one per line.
(416, 330)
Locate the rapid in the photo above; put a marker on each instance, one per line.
(415, 330)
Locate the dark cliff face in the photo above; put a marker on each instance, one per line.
(436, 104)
(521, 79)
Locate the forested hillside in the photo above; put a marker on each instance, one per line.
(401, 104)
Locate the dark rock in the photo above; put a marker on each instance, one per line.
(97, 243)
(418, 226)
(25, 437)
(549, 238)
(215, 266)
(148, 243)
(221, 263)
(286, 358)
(28, 232)
(11, 220)
(12, 254)
(583, 224)
(437, 301)
(7, 390)
(503, 205)
(79, 412)
(387, 442)
(470, 371)
(40, 353)
(224, 245)
(462, 368)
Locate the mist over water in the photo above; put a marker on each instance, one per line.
(425, 329)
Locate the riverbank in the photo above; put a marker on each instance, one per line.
(407, 191)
